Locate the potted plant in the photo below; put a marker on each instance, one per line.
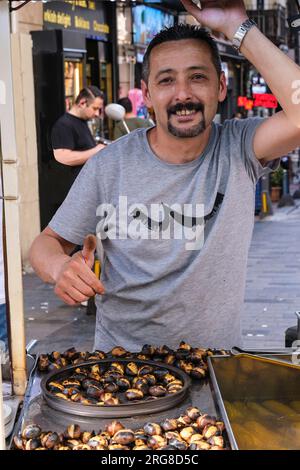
(276, 184)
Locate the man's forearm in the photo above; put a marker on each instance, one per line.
(75, 157)
(47, 256)
(278, 70)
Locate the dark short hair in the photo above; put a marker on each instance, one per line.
(178, 33)
(89, 93)
(126, 103)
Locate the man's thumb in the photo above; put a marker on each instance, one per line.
(89, 247)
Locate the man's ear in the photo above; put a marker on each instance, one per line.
(222, 88)
(146, 94)
(83, 103)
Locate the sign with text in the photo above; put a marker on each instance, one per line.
(77, 15)
(265, 100)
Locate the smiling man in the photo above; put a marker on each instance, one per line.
(172, 206)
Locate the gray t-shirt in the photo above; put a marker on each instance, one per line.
(174, 238)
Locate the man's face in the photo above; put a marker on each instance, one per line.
(183, 87)
(91, 109)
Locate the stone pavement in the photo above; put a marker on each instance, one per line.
(273, 279)
(272, 294)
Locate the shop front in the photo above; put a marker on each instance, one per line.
(76, 48)
(233, 65)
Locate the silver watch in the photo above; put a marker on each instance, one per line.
(241, 33)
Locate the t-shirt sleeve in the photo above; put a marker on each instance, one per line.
(244, 130)
(62, 137)
(76, 217)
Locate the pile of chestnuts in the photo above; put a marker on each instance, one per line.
(113, 383)
(191, 431)
(193, 361)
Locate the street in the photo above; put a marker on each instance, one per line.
(272, 294)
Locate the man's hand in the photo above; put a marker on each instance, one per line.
(76, 282)
(224, 16)
(100, 147)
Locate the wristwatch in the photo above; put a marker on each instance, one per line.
(241, 33)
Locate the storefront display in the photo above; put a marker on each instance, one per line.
(76, 49)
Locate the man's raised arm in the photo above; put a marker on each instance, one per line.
(280, 133)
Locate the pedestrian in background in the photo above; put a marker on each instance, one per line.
(133, 122)
(72, 141)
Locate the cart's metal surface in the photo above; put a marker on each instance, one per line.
(259, 399)
(36, 410)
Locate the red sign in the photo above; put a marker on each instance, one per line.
(249, 105)
(244, 102)
(265, 100)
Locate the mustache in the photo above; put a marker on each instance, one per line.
(185, 107)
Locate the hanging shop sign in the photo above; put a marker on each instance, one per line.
(77, 15)
(244, 102)
(265, 100)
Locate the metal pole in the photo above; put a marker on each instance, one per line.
(11, 207)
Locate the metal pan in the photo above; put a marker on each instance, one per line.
(117, 411)
(259, 401)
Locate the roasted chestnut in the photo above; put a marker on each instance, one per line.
(131, 368)
(61, 395)
(86, 436)
(32, 444)
(19, 442)
(123, 383)
(198, 373)
(124, 437)
(204, 420)
(168, 378)
(98, 440)
(118, 447)
(200, 445)
(146, 369)
(118, 351)
(117, 367)
(169, 424)
(141, 384)
(148, 350)
(50, 440)
(157, 391)
(82, 447)
(111, 387)
(156, 442)
(179, 444)
(170, 359)
(72, 432)
(151, 379)
(186, 433)
(216, 441)
(209, 431)
(32, 431)
(43, 362)
(56, 387)
(113, 427)
(193, 413)
(134, 394)
(112, 401)
(152, 429)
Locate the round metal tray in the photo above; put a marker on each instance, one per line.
(122, 410)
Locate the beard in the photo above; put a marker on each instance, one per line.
(193, 131)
